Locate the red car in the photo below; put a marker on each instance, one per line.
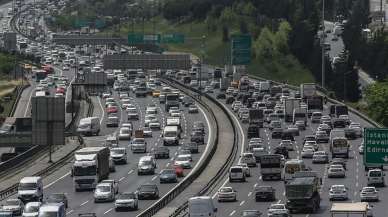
(60, 90)
(112, 109)
(179, 170)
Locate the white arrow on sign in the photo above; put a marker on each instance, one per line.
(385, 158)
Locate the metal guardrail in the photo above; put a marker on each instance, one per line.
(187, 181)
(19, 90)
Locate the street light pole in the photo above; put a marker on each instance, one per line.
(323, 45)
(201, 62)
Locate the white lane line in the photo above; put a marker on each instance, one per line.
(29, 101)
(232, 213)
(69, 212)
(284, 193)
(172, 159)
(168, 164)
(242, 202)
(153, 178)
(55, 181)
(176, 153)
(250, 193)
(121, 179)
(108, 211)
(279, 201)
(131, 171)
(84, 203)
(102, 110)
(255, 185)
(156, 144)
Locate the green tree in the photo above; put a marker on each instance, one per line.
(377, 103)
(228, 17)
(281, 38)
(264, 44)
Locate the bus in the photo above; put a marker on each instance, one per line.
(292, 166)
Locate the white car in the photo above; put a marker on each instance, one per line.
(226, 194)
(307, 152)
(147, 132)
(114, 183)
(126, 200)
(338, 192)
(119, 155)
(247, 170)
(104, 192)
(183, 161)
(125, 133)
(369, 194)
(311, 143)
(335, 171)
(278, 209)
(31, 209)
(357, 128)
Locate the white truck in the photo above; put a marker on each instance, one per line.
(289, 105)
(91, 165)
(308, 90)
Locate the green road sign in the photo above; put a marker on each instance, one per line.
(376, 146)
(80, 23)
(175, 38)
(136, 38)
(241, 49)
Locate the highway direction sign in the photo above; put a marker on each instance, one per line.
(176, 38)
(241, 49)
(136, 38)
(376, 146)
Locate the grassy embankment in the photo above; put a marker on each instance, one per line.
(217, 52)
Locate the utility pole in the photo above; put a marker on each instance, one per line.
(323, 44)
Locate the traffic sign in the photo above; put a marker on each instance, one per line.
(175, 38)
(136, 38)
(376, 146)
(241, 49)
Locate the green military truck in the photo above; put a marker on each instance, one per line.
(302, 192)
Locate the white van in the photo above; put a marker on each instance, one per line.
(146, 165)
(202, 206)
(249, 159)
(236, 173)
(30, 189)
(52, 210)
(376, 177)
(171, 135)
(89, 126)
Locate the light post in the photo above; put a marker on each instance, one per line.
(323, 45)
(201, 62)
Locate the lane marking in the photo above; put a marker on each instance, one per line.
(279, 201)
(250, 193)
(55, 181)
(108, 211)
(121, 179)
(232, 213)
(153, 178)
(29, 101)
(84, 203)
(242, 202)
(168, 164)
(102, 110)
(131, 171)
(69, 212)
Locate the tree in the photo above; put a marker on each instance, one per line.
(228, 17)
(281, 38)
(264, 44)
(377, 103)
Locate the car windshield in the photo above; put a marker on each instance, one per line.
(56, 197)
(138, 141)
(147, 188)
(28, 209)
(182, 158)
(226, 190)
(374, 173)
(27, 186)
(277, 206)
(48, 214)
(168, 172)
(126, 196)
(369, 190)
(118, 151)
(145, 163)
(337, 188)
(103, 188)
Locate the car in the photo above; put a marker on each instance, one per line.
(168, 176)
(114, 183)
(179, 171)
(119, 155)
(161, 152)
(338, 192)
(154, 124)
(369, 194)
(193, 109)
(138, 145)
(301, 125)
(104, 192)
(186, 153)
(147, 132)
(13, 205)
(321, 136)
(112, 109)
(251, 213)
(132, 114)
(247, 171)
(307, 152)
(226, 194)
(31, 209)
(183, 161)
(197, 136)
(357, 128)
(277, 133)
(192, 147)
(293, 129)
(113, 121)
(57, 198)
(320, 157)
(336, 171)
(275, 124)
(288, 144)
(148, 191)
(311, 144)
(278, 209)
(338, 161)
(236, 173)
(265, 193)
(125, 133)
(126, 200)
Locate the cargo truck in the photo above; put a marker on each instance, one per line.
(256, 119)
(299, 114)
(308, 90)
(314, 104)
(172, 100)
(337, 110)
(91, 165)
(302, 192)
(289, 105)
(271, 167)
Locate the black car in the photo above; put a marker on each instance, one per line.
(197, 136)
(192, 147)
(168, 176)
(265, 193)
(199, 125)
(161, 152)
(339, 123)
(277, 133)
(288, 135)
(229, 99)
(221, 96)
(57, 198)
(148, 191)
(281, 150)
(350, 133)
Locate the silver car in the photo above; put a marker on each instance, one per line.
(13, 205)
(31, 209)
(336, 172)
(369, 194)
(226, 194)
(168, 176)
(104, 192)
(338, 192)
(126, 200)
